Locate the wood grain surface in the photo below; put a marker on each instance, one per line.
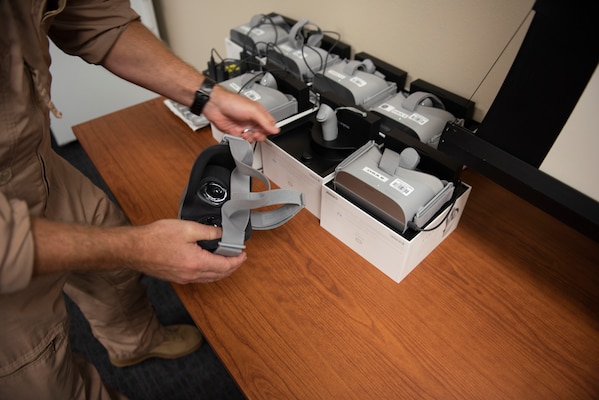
(507, 307)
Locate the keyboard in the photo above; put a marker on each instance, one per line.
(195, 122)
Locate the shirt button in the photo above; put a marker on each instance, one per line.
(5, 176)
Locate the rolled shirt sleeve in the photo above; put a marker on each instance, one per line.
(16, 245)
(89, 28)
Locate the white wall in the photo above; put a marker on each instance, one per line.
(455, 44)
(452, 44)
(573, 157)
(83, 91)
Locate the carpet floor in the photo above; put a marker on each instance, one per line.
(199, 375)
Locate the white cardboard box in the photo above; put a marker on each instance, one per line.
(389, 251)
(217, 134)
(288, 173)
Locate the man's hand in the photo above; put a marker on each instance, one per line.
(169, 251)
(165, 249)
(237, 115)
(141, 58)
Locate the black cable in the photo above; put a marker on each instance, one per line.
(306, 61)
(276, 49)
(501, 54)
(329, 51)
(323, 62)
(454, 199)
(263, 21)
(251, 80)
(226, 59)
(244, 47)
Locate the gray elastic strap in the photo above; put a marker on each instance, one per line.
(296, 37)
(237, 211)
(413, 100)
(291, 202)
(389, 161)
(365, 65)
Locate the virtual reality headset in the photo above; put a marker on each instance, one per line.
(218, 193)
(388, 185)
(357, 82)
(419, 114)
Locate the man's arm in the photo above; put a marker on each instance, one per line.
(165, 249)
(139, 57)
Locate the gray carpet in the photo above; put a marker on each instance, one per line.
(197, 376)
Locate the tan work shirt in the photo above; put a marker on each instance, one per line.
(84, 28)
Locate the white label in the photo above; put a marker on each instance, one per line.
(359, 82)
(400, 114)
(375, 174)
(392, 110)
(336, 74)
(419, 118)
(401, 186)
(300, 54)
(236, 88)
(285, 48)
(386, 107)
(254, 31)
(252, 95)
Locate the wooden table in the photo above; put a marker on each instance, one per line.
(506, 307)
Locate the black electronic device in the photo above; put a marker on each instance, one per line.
(432, 160)
(289, 83)
(261, 87)
(459, 106)
(260, 33)
(391, 72)
(340, 128)
(419, 114)
(333, 45)
(301, 53)
(357, 82)
(303, 139)
(219, 193)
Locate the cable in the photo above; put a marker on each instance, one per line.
(330, 50)
(276, 49)
(263, 21)
(224, 60)
(323, 62)
(306, 61)
(454, 199)
(500, 54)
(251, 81)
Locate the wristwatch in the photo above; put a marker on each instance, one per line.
(202, 96)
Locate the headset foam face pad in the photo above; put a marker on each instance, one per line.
(208, 189)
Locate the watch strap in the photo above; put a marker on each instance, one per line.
(202, 96)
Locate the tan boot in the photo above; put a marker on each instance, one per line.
(180, 340)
